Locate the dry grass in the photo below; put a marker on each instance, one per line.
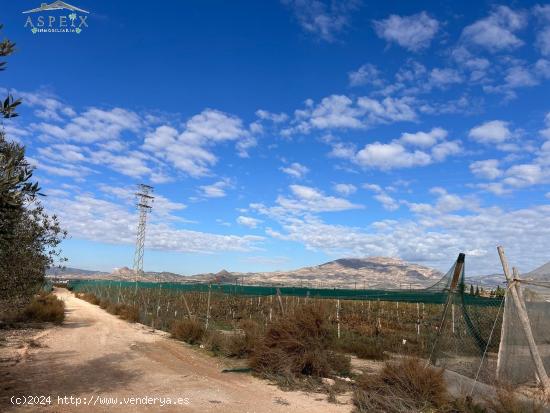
(44, 308)
(299, 345)
(91, 298)
(364, 347)
(404, 386)
(190, 331)
(508, 402)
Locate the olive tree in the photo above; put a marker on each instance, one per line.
(29, 237)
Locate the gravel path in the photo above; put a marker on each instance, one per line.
(96, 356)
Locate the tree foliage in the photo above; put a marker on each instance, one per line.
(29, 237)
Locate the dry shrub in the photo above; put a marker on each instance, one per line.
(91, 298)
(215, 341)
(190, 331)
(44, 308)
(506, 401)
(408, 385)
(243, 344)
(299, 344)
(124, 311)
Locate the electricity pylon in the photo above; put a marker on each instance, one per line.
(144, 204)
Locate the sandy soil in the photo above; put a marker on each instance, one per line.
(94, 355)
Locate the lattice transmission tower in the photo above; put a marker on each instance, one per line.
(144, 203)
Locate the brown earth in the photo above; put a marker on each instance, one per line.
(94, 355)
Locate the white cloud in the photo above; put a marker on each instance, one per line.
(442, 78)
(434, 237)
(323, 18)
(497, 31)
(295, 170)
(341, 112)
(274, 117)
(345, 189)
(367, 74)
(424, 139)
(546, 131)
(488, 169)
(93, 125)
(413, 32)
(383, 197)
(248, 221)
(543, 35)
(95, 219)
(215, 190)
(495, 131)
(390, 155)
(190, 150)
(308, 199)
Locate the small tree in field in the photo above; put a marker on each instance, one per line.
(29, 238)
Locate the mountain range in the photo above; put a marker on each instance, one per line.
(371, 272)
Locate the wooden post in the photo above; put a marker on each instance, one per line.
(459, 265)
(208, 306)
(186, 306)
(524, 319)
(280, 301)
(338, 316)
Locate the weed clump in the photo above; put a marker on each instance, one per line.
(408, 385)
(242, 345)
(299, 345)
(44, 308)
(190, 331)
(91, 298)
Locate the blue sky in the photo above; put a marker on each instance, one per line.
(285, 134)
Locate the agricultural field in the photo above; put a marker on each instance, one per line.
(367, 329)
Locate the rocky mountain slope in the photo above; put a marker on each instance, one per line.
(373, 272)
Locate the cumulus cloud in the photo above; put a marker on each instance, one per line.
(295, 170)
(342, 112)
(308, 199)
(488, 169)
(497, 31)
(495, 131)
(215, 190)
(190, 151)
(248, 221)
(92, 218)
(400, 153)
(324, 19)
(345, 189)
(390, 155)
(367, 74)
(382, 196)
(424, 139)
(434, 237)
(413, 32)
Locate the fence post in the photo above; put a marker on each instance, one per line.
(459, 265)
(208, 306)
(524, 319)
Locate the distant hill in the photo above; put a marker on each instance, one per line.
(541, 273)
(372, 272)
(118, 274)
(61, 272)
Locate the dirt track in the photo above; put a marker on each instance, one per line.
(95, 354)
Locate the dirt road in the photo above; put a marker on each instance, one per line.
(96, 356)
